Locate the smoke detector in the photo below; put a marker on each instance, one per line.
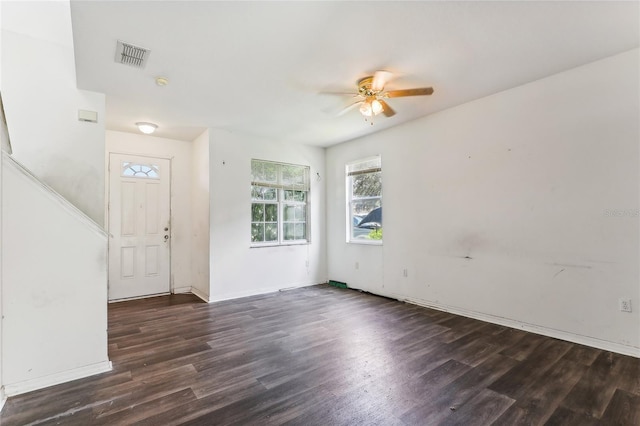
(129, 54)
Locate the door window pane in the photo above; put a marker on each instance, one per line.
(145, 171)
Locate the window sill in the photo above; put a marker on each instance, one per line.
(290, 243)
(366, 242)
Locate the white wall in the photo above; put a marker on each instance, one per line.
(42, 102)
(54, 291)
(3, 144)
(237, 269)
(180, 154)
(524, 183)
(4, 135)
(200, 216)
(2, 395)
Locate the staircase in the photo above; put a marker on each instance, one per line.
(54, 286)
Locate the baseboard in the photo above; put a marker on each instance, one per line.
(192, 290)
(55, 379)
(200, 294)
(259, 292)
(545, 331)
(3, 399)
(146, 296)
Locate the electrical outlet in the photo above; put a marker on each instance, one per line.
(405, 273)
(357, 265)
(625, 304)
(306, 263)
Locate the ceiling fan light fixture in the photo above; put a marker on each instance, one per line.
(371, 107)
(146, 128)
(365, 109)
(376, 107)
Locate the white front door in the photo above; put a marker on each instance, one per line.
(139, 226)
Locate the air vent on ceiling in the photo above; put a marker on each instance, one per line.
(128, 54)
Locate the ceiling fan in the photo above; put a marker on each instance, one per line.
(371, 95)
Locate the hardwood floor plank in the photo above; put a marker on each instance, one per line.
(594, 391)
(582, 354)
(535, 366)
(536, 401)
(629, 376)
(524, 347)
(563, 416)
(326, 356)
(624, 409)
(457, 393)
(482, 409)
(136, 413)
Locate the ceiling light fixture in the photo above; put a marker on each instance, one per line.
(162, 81)
(146, 128)
(365, 109)
(371, 107)
(376, 106)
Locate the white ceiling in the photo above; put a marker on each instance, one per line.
(259, 67)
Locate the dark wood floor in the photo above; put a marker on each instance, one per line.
(327, 356)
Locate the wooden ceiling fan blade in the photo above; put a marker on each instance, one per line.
(380, 78)
(386, 109)
(409, 92)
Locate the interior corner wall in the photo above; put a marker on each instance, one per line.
(237, 269)
(200, 216)
(180, 154)
(520, 208)
(42, 101)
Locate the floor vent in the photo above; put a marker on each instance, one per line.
(128, 54)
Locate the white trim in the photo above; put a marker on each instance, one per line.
(259, 292)
(144, 296)
(3, 399)
(192, 290)
(57, 378)
(545, 331)
(200, 294)
(365, 242)
(288, 243)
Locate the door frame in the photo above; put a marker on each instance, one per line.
(108, 218)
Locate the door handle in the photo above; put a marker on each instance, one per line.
(166, 237)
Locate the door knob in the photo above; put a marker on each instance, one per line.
(166, 237)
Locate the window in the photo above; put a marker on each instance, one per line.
(364, 201)
(146, 171)
(279, 203)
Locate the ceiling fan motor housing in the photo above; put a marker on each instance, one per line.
(364, 87)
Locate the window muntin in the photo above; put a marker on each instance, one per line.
(364, 201)
(279, 203)
(145, 171)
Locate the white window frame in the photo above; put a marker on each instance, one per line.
(281, 187)
(350, 199)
